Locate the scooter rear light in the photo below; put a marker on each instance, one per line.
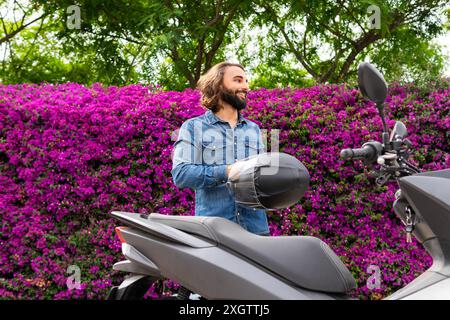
(118, 230)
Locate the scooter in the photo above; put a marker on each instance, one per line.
(218, 259)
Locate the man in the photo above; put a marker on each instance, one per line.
(209, 146)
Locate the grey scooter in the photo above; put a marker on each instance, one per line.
(218, 259)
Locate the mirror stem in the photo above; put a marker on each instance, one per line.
(387, 145)
(385, 135)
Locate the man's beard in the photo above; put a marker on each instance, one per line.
(231, 97)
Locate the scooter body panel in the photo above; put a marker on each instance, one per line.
(213, 272)
(437, 291)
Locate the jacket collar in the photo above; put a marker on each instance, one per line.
(213, 119)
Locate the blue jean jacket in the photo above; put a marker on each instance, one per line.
(204, 148)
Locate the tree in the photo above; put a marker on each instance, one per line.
(171, 43)
(192, 34)
(329, 37)
(105, 49)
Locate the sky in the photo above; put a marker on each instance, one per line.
(444, 41)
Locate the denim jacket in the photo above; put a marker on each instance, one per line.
(204, 147)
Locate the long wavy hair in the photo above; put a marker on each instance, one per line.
(211, 84)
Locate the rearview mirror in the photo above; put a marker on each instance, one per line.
(371, 83)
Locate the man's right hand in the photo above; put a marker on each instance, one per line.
(234, 170)
(228, 170)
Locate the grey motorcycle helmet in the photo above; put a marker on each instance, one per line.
(271, 181)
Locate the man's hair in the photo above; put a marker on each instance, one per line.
(211, 83)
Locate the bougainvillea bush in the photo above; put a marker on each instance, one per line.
(70, 154)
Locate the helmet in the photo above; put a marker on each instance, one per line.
(270, 181)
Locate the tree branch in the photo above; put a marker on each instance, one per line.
(179, 63)
(340, 2)
(199, 58)
(217, 16)
(130, 66)
(301, 58)
(362, 43)
(31, 46)
(218, 41)
(113, 36)
(334, 32)
(8, 36)
(332, 69)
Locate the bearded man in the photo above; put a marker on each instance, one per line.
(209, 147)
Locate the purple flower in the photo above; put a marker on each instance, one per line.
(70, 154)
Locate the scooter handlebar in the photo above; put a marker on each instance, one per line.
(369, 152)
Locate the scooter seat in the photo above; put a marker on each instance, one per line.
(306, 261)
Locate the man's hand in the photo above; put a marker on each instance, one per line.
(241, 166)
(232, 172)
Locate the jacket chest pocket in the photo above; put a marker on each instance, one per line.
(213, 153)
